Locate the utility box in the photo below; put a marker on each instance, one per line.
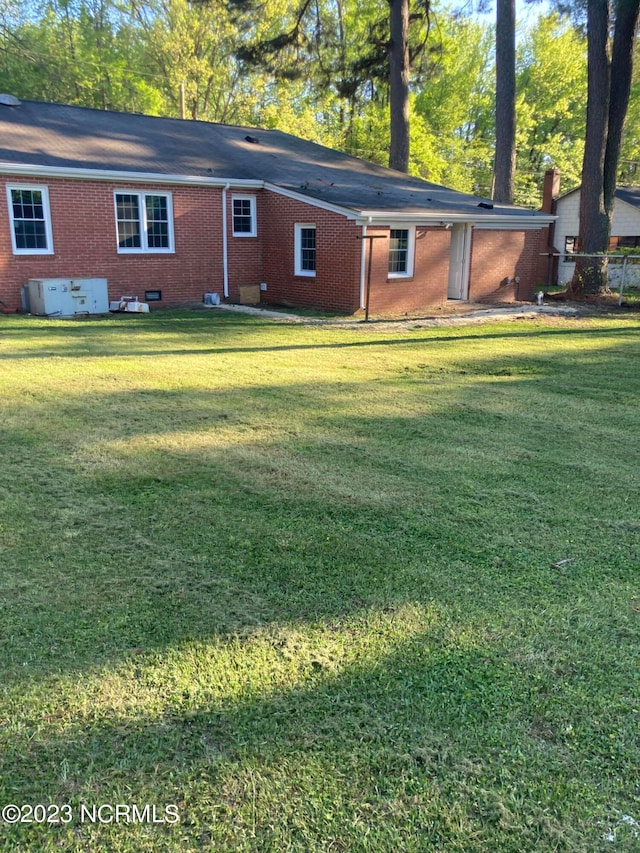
(66, 297)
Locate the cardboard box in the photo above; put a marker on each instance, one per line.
(249, 294)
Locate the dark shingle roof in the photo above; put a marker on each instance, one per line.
(629, 194)
(53, 135)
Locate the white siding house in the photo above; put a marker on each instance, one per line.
(625, 231)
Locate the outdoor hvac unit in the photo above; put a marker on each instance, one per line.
(65, 297)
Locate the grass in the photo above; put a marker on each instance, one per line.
(320, 589)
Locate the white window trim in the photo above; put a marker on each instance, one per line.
(411, 250)
(47, 219)
(142, 207)
(254, 218)
(298, 249)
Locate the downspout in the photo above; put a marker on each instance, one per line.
(225, 253)
(468, 249)
(363, 261)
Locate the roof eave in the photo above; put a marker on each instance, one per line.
(361, 217)
(123, 176)
(443, 217)
(348, 212)
(515, 222)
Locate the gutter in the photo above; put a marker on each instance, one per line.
(501, 221)
(526, 221)
(28, 170)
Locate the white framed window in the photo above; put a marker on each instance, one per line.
(570, 245)
(305, 248)
(401, 252)
(30, 217)
(243, 211)
(144, 222)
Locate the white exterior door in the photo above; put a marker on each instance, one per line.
(459, 262)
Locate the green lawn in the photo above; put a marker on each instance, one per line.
(320, 589)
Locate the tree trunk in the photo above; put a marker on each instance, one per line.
(505, 162)
(399, 84)
(590, 275)
(624, 37)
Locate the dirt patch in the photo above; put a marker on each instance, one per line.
(598, 302)
(452, 314)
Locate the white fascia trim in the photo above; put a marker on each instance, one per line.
(386, 217)
(29, 170)
(511, 225)
(314, 202)
(499, 223)
(362, 217)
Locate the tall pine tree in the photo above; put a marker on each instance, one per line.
(609, 70)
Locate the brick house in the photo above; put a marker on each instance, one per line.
(167, 209)
(625, 230)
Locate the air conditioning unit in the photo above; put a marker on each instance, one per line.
(66, 297)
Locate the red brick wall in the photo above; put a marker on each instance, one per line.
(84, 238)
(498, 256)
(84, 241)
(336, 285)
(426, 288)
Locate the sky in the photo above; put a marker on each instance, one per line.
(524, 11)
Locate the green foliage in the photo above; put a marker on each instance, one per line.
(191, 46)
(453, 143)
(291, 107)
(80, 54)
(552, 93)
(630, 151)
(328, 81)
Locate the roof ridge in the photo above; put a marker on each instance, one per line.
(85, 108)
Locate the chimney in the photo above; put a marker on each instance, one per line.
(548, 264)
(550, 190)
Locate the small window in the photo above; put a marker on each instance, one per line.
(30, 218)
(244, 216)
(144, 222)
(305, 249)
(570, 245)
(401, 242)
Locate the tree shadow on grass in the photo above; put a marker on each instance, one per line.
(437, 739)
(191, 514)
(231, 334)
(158, 529)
